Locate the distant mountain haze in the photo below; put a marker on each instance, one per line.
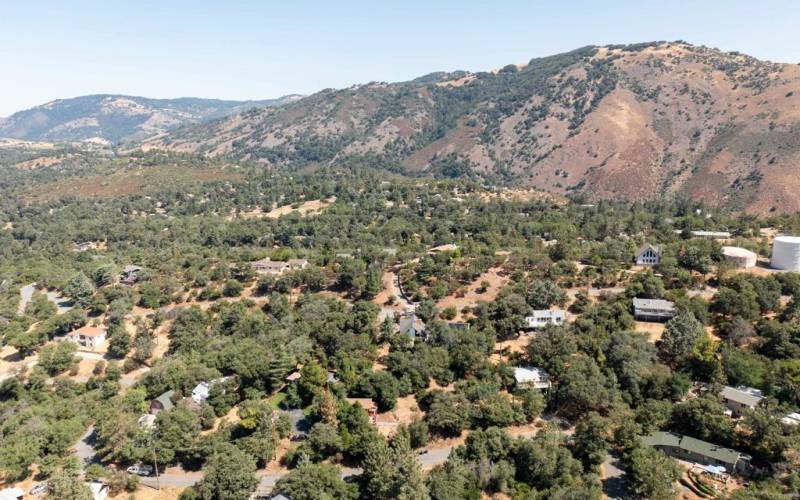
(118, 118)
(618, 122)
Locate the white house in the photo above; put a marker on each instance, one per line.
(202, 390)
(653, 309)
(648, 255)
(543, 317)
(740, 399)
(90, 337)
(531, 377)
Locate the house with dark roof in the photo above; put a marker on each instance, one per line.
(694, 450)
(162, 403)
(648, 255)
(740, 399)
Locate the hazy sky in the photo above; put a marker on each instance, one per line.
(263, 49)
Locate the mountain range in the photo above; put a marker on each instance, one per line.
(632, 122)
(107, 118)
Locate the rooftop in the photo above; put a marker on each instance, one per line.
(547, 313)
(653, 304)
(719, 453)
(530, 374)
(88, 331)
(744, 395)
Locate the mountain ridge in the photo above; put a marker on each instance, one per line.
(628, 122)
(114, 118)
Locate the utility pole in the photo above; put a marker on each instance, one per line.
(155, 462)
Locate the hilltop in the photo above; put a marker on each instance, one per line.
(616, 122)
(108, 118)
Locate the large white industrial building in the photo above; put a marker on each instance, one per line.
(786, 253)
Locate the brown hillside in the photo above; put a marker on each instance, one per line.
(632, 122)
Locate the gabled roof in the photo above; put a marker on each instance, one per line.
(88, 331)
(745, 395)
(647, 246)
(166, 400)
(703, 448)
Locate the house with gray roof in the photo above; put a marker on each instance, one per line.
(694, 450)
(653, 309)
(162, 403)
(740, 399)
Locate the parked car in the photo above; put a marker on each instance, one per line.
(140, 470)
(38, 489)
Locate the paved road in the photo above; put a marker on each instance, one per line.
(84, 449)
(614, 483)
(25, 296)
(267, 480)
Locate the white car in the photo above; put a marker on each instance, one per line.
(38, 489)
(140, 469)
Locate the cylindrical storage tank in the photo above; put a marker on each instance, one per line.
(786, 253)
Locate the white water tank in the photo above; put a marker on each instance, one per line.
(786, 253)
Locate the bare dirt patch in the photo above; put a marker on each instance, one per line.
(472, 296)
(654, 331)
(126, 181)
(305, 209)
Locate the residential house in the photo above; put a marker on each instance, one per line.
(130, 274)
(89, 337)
(712, 235)
(293, 377)
(543, 317)
(530, 376)
(202, 390)
(648, 255)
(267, 266)
(84, 246)
(411, 325)
(653, 309)
(369, 405)
(162, 403)
(694, 450)
(740, 399)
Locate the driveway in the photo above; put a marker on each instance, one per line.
(84, 449)
(614, 484)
